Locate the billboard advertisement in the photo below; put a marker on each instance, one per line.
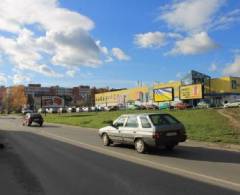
(189, 92)
(52, 101)
(163, 94)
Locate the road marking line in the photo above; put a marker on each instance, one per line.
(159, 166)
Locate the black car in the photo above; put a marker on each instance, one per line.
(30, 118)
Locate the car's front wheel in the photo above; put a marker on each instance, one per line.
(140, 146)
(106, 140)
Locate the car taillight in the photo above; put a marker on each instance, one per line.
(156, 135)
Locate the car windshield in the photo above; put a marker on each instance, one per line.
(35, 115)
(163, 119)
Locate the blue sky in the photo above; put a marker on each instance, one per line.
(116, 43)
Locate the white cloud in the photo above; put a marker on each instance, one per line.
(3, 79)
(64, 36)
(174, 35)
(20, 79)
(150, 39)
(109, 59)
(154, 39)
(119, 54)
(46, 13)
(22, 52)
(75, 48)
(213, 68)
(103, 49)
(195, 44)
(233, 69)
(190, 15)
(226, 20)
(71, 73)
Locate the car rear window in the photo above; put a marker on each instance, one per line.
(163, 119)
(36, 116)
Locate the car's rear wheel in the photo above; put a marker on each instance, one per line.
(106, 140)
(170, 147)
(140, 146)
(40, 124)
(29, 123)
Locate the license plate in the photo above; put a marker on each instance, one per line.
(36, 120)
(171, 134)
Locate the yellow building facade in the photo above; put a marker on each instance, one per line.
(225, 85)
(223, 88)
(121, 96)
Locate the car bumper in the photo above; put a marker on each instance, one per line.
(165, 140)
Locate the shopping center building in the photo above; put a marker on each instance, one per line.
(192, 88)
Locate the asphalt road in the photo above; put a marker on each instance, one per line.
(59, 160)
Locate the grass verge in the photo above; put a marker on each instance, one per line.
(202, 125)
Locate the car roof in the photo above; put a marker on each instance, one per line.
(143, 114)
(34, 114)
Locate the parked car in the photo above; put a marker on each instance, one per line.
(52, 110)
(106, 108)
(203, 104)
(133, 107)
(93, 108)
(62, 110)
(152, 107)
(99, 108)
(113, 108)
(232, 104)
(85, 109)
(164, 106)
(144, 131)
(69, 109)
(30, 118)
(142, 107)
(78, 109)
(41, 110)
(182, 106)
(121, 107)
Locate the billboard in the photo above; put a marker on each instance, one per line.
(52, 101)
(163, 94)
(189, 92)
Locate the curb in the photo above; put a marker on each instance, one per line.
(218, 146)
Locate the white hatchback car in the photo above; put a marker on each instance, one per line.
(232, 104)
(144, 130)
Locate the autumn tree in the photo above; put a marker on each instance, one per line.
(18, 97)
(6, 103)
